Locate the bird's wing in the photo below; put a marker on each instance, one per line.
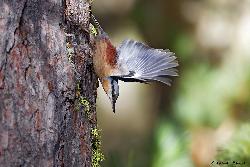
(139, 62)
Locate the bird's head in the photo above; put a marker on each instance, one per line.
(111, 87)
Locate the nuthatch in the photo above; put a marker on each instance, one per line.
(130, 62)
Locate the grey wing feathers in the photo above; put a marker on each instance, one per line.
(146, 63)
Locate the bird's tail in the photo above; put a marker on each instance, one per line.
(146, 64)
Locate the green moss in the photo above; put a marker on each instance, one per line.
(82, 102)
(86, 105)
(83, 105)
(93, 30)
(97, 155)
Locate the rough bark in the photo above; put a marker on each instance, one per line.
(47, 99)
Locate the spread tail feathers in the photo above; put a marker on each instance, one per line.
(144, 63)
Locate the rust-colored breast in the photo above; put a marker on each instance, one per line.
(110, 54)
(104, 58)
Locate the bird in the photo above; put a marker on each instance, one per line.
(131, 61)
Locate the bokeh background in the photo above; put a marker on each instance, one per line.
(203, 118)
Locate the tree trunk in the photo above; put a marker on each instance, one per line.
(47, 84)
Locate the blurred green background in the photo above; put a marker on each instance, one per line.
(203, 118)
